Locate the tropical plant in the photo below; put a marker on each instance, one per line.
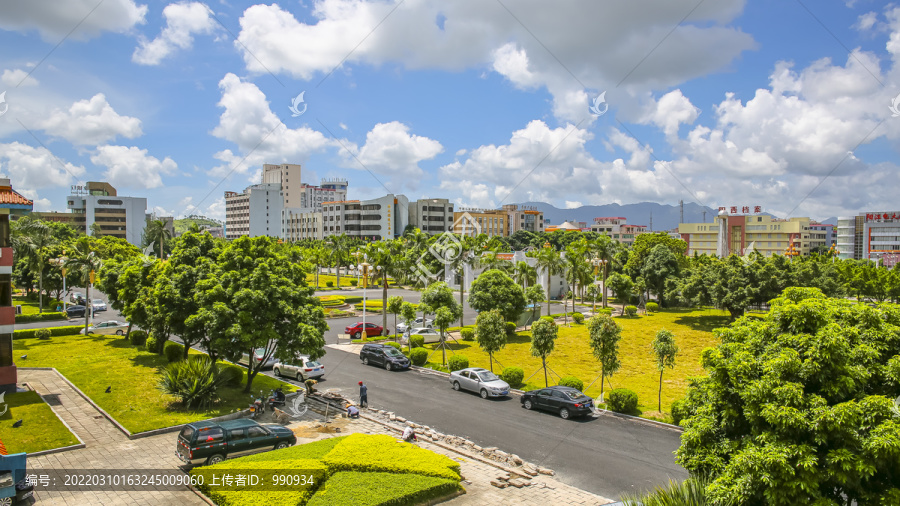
(85, 262)
(543, 340)
(494, 289)
(604, 336)
(490, 332)
(157, 233)
(195, 382)
(664, 350)
(549, 261)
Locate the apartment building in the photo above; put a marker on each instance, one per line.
(618, 229)
(821, 235)
(523, 218)
(871, 235)
(287, 175)
(330, 190)
(254, 212)
(481, 221)
(99, 203)
(303, 224)
(432, 216)
(382, 218)
(743, 233)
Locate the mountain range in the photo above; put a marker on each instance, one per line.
(664, 216)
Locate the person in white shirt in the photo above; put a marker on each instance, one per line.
(409, 435)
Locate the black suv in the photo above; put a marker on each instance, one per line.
(212, 442)
(383, 355)
(566, 401)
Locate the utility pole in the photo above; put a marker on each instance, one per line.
(704, 216)
(681, 219)
(651, 221)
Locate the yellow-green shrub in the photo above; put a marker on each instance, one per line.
(362, 452)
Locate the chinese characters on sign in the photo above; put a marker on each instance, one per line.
(744, 209)
(79, 189)
(882, 216)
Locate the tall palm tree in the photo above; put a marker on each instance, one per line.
(605, 248)
(575, 263)
(549, 261)
(468, 248)
(339, 253)
(157, 232)
(386, 257)
(524, 274)
(85, 262)
(38, 237)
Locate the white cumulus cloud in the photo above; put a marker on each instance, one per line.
(54, 19)
(91, 121)
(132, 167)
(183, 20)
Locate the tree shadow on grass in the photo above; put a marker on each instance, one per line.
(705, 323)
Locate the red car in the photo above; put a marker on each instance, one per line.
(356, 330)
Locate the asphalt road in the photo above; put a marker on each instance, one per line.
(604, 454)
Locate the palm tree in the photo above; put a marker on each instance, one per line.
(604, 248)
(157, 232)
(467, 249)
(85, 262)
(548, 260)
(575, 262)
(386, 257)
(38, 237)
(339, 254)
(524, 274)
(317, 255)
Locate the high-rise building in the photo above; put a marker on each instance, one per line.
(523, 218)
(870, 235)
(491, 222)
(618, 229)
(768, 235)
(287, 175)
(255, 212)
(98, 203)
(432, 216)
(376, 219)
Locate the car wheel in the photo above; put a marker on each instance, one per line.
(282, 445)
(357, 335)
(564, 413)
(5, 501)
(456, 386)
(277, 372)
(527, 404)
(365, 360)
(387, 366)
(484, 394)
(119, 332)
(299, 377)
(215, 459)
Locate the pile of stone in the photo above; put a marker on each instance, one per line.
(492, 453)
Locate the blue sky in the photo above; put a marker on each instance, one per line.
(781, 104)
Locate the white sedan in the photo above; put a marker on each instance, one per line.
(419, 322)
(99, 305)
(108, 328)
(430, 335)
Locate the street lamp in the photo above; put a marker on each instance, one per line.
(365, 280)
(61, 263)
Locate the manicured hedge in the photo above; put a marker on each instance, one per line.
(353, 299)
(332, 300)
(578, 318)
(572, 381)
(394, 345)
(467, 334)
(174, 351)
(679, 412)
(41, 317)
(513, 376)
(255, 495)
(382, 453)
(416, 341)
(67, 330)
(418, 356)
(137, 337)
(622, 400)
(381, 489)
(652, 307)
(630, 310)
(510, 329)
(457, 363)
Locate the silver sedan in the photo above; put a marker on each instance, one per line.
(482, 381)
(108, 328)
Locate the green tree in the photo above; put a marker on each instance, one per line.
(386, 258)
(622, 286)
(543, 340)
(157, 232)
(549, 261)
(462, 254)
(84, 263)
(436, 297)
(496, 290)
(339, 247)
(408, 315)
(394, 306)
(659, 266)
(490, 332)
(644, 244)
(524, 274)
(267, 304)
(796, 407)
(605, 249)
(664, 349)
(604, 336)
(38, 240)
(443, 317)
(576, 264)
(533, 296)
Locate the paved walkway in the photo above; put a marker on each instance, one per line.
(106, 448)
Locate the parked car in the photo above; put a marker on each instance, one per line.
(76, 311)
(430, 335)
(75, 297)
(482, 381)
(98, 305)
(258, 356)
(209, 442)
(107, 328)
(418, 322)
(356, 330)
(566, 401)
(386, 356)
(301, 368)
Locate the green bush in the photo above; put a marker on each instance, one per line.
(457, 362)
(572, 381)
(155, 344)
(137, 337)
(329, 284)
(416, 341)
(379, 453)
(195, 381)
(513, 376)
(630, 310)
(467, 334)
(174, 351)
(353, 300)
(418, 356)
(679, 412)
(332, 301)
(394, 345)
(233, 374)
(353, 282)
(68, 330)
(547, 318)
(41, 317)
(578, 318)
(344, 487)
(622, 400)
(652, 307)
(605, 310)
(42, 333)
(510, 330)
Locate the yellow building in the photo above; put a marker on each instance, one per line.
(770, 236)
(491, 222)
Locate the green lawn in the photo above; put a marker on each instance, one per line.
(323, 278)
(40, 430)
(31, 307)
(95, 362)
(572, 355)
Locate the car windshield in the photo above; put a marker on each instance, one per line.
(393, 352)
(98, 301)
(571, 394)
(312, 363)
(487, 376)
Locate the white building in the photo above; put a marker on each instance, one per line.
(123, 217)
(376, 219)
(432, 216)
(331, 190)
(558, 284)
(255, 212)
(871, 235)
(302, 224)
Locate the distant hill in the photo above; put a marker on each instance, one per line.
(665, 217)
(184, 224)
